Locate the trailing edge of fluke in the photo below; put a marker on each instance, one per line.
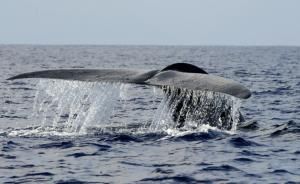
(178, 75)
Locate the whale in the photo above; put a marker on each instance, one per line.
(181, 77)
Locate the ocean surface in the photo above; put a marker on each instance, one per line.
(54, 131)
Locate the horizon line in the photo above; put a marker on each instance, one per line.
(150, 45)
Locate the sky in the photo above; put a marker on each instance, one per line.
(150, 22)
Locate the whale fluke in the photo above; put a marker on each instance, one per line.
(178, 75)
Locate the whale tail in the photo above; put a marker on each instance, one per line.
(178, 75)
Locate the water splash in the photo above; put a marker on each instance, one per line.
(73, 106)
(79, 108)
(188, 110)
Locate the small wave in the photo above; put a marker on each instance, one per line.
(100, 147)
(291, 127)
(245, 160)
(12, 117)
(20, 88)
(11, 102)
(276, 91)
(203, 164)
(16, 83)
(297, 152)
(8, 156)
(9, 146)
(18, 166)
(131, 163)
(278, 150)
(226, 168)
(75, 181)
(176, 179)
(39, 174)
(123, 138)
(81, 154)
(252, 153)
(241, 142)
(60, 145)
(195, 136)
(253, 175)
(163, 171)
(281, 171)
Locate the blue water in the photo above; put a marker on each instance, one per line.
(55, 131)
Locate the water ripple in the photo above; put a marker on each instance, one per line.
(58, 145)
(242, 142)
(172, 179)
(225, 168)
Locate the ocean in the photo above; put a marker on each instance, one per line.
(54, 131)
